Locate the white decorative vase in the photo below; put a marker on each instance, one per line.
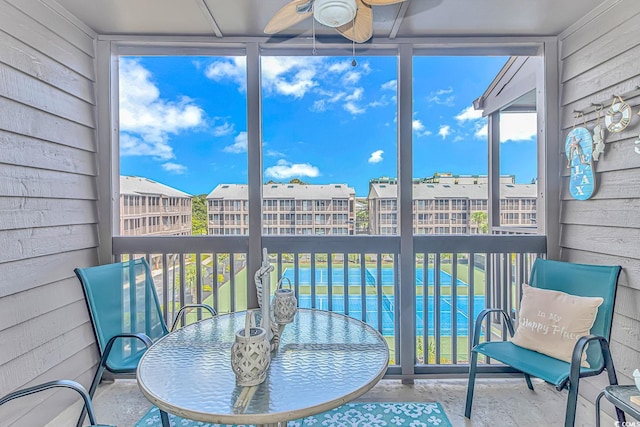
(250, 354)
(284, 304)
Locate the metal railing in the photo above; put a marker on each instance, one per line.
(456, 276)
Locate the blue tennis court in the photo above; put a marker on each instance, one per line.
(355, 310)
(353, 276)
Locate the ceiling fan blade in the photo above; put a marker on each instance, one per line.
(382, 2)
(361, 28)
(288, 16)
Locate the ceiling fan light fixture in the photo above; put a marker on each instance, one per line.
(334, 13)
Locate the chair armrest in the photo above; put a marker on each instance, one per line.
(59, 383)
(181, 313)
(107, 349)
(580, 347)
(478, 325)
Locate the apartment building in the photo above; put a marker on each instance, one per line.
(150, 208)
(445, 204)
(287, 209)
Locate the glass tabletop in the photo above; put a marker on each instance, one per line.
(324, 360)
(620, 395)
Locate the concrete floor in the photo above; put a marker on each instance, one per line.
(498, 402)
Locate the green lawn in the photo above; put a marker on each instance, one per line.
(445, 350)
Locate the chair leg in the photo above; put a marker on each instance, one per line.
(164, 417)
(572, 400)
(611, 373)
(472, 382)
(527, 378)
(92, 390)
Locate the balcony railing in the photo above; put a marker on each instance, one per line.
(454, 277)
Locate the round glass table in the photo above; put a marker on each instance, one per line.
(324, 361)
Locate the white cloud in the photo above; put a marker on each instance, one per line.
(286, 170)
(234, 69)
(376, 156)
(353, 109)
(222, 129)
(444, 131)
(340, 67)
(319, 106)
(146, 119)
(482, 131)
(351, 77)
(419, 128)
(337, 97)
(350, 105)
(356, 95)
(518, 126)
(239, 144)
(274, 153)
(329, 97)
(440, 92)
(469, 113)
(133, 146)
(380, 102)
(438, 97)
(174, 168)
(513, 127)
(290, 76)
(390, 85)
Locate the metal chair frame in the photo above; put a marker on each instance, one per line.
(574, 372)
(103, 365)
(87, 407)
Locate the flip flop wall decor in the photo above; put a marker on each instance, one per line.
(579, 151)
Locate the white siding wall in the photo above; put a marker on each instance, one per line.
(47, 204)
(600, 57)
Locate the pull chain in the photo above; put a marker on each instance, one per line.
(353, 43)
(313, 35)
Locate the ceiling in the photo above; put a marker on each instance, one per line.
(414, 18)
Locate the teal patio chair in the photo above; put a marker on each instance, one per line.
(574, 279)
(88, 407)
(126, 315)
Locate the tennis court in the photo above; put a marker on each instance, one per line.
(353, 276)
(388, 311)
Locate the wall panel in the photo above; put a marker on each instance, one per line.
(48, 216)
(599, 60)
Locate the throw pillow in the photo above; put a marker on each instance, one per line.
(551, 322)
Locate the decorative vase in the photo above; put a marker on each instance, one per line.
(285, 304)
(250, 353)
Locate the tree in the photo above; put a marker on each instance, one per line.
(199, 215)
(481, 219)
(297, 181)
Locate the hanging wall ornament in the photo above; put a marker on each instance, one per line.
(598, 136)
(579, 151)
(636, 149)
(618, 116)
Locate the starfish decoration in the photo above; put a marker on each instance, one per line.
(575, 147)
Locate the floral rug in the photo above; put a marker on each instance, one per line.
(405, 414)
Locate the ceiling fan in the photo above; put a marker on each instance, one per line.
(351, 18)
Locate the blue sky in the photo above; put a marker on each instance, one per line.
(183, 120)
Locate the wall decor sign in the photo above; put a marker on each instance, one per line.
(579, 151)
(618, 116)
